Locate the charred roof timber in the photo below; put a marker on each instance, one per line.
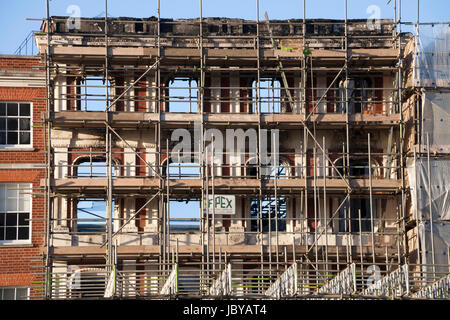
(224, 32)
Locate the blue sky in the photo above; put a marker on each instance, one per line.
(14, 27)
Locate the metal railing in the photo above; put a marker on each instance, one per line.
(28, 46)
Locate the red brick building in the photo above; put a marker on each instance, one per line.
(22, 165)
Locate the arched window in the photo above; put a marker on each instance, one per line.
(281, 171)
(251, 168)
(351, 212)
(93, 167)
(359, 167)
(178, 170)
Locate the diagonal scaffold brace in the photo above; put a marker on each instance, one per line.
(291, 101)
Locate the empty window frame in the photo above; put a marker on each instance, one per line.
(359, 167)
(362, 94)
(251, 169)
(271, 215)
(281, 171)
(182, 96)
(139, 27)
(365, 94)
(15, 212)
(269, 95)
(356, 217)
(91, 212)
(184, 170)
(91, 215)
(7, 293)
(92, 167)
(15, 124)
(184, 215)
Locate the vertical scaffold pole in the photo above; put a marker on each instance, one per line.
(325, 212)
(275, 149)
(110, 209)
(430, 202)
(258, 171)
(168, 202)
(48, 268)
(213, 209)
(158, 105)
(347, 125)
(371, 200)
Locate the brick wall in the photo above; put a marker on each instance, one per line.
(15, 264)
(19, 63)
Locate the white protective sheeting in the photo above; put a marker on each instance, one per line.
(418, 174)
(432, 58)
(286, 285)
(111, 286)
(343, 283)
(171, 285)
(223, 285)
(395, 284)
(420, 191)
(436, 120)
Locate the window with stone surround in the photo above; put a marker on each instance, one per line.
(15, 213)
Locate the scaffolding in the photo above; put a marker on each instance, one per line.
(320, 221)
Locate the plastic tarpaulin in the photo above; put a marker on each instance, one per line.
(286, 285)
(436, 121)
(420, 191)
(223, 285)
(432, 58)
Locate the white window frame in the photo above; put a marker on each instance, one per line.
(20, 146)
(24, 241)
(15, 292)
